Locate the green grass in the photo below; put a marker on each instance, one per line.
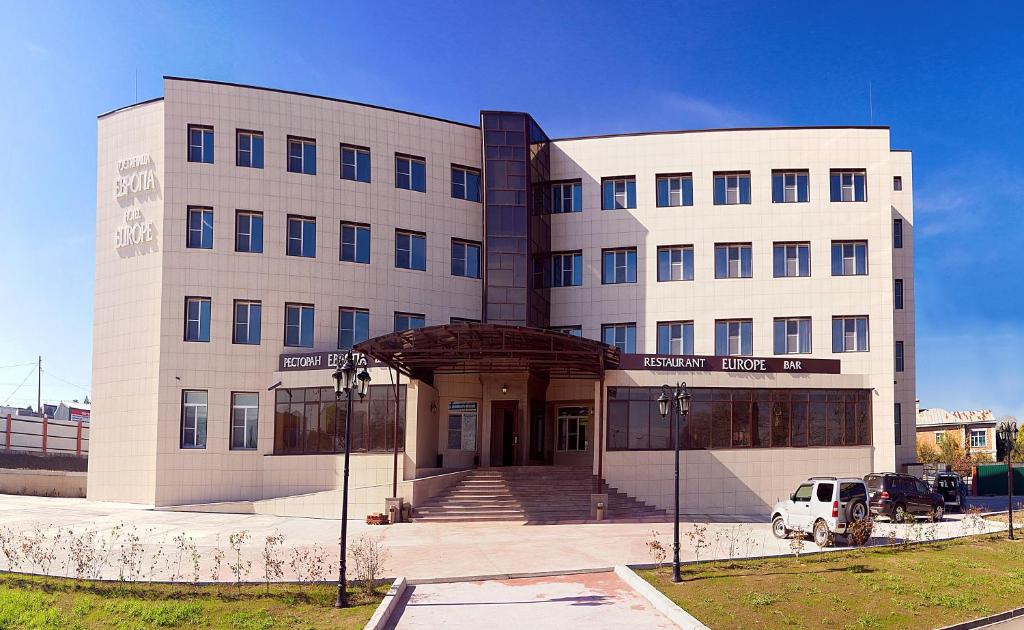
(38, 603)
(924, 586)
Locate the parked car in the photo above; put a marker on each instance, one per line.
(823, 506)
(952, 488)
(899, 497)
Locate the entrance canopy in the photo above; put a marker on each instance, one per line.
(470, 347)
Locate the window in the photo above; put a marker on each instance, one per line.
(355, 243)
(247, 322)
(200, 144)
(410, 250)
(619, 266)
(298, 325)
(245, 409)
(897, 183)
(567, 269)
(353, 326)
(622, 336)
(733, 261)
(572, 428)
(200, 228)
(309, 420)
(734, 337)
(897, 294)
(850, 258)
(463, 320)
(462, 417)
(566, 197)
(848, 185)
(675, 337)
(793, 336)
(898, 354)
(410, 173)
(979, 438)
(824, 491)
(897, 233)
(898, 423)
(355, 163)
(301, 237)
(618, 193)
(675, 263)
(301, 155)
(194, 411)
(572, 331)
(792, 260)
(675, 190)
(790, 187)
(465, 259)
(409, 321)
(939, 436)
(803, 493)
(465, 183)
(197, 319)
(849, 334)
(249, 149)
(249, 232)
(732, 188)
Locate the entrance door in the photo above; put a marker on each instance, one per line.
(504, 432)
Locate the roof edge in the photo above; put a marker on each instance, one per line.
(720, 129)
(121, 109)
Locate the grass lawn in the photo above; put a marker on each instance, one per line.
(36, 603)
(924, 586)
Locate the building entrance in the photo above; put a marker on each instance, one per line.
(504, 432)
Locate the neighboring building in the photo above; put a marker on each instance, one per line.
(73, 411)
(247, 236)
(975, 430)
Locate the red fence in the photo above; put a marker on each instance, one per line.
(45, 435)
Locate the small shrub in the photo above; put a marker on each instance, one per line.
(239, 568)
(273, 564)
(859, 531)
(368, 557)
(656, 549)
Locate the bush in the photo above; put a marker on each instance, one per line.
(859, 531)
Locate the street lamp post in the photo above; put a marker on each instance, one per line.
(1008, 433)
(676, 404)
(348, 381)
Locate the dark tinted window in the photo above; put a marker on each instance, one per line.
(945, 483)
(851, 491)
(921, 487)
(824, 492)
(875, 482)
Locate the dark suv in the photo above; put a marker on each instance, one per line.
(901, 497)
(952, 488)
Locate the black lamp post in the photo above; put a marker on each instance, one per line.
(1008, 433)
(678, 401)
(348, 381)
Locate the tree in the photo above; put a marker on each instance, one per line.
(87, 401)
(927, 453)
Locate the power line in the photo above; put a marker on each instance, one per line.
(67, 382)
(14, 365)
(23, 381)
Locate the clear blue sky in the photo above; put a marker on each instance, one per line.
(948, 78)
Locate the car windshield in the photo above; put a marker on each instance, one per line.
(803, 493)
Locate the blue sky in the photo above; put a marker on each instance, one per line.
(948, 79)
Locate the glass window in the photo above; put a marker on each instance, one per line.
(353, 326)
(792, 260)
(734, 337)
(410, 173)
(675, 337)
(410, 250)
(619, 266)
(197, 319)
(567, 269)
(898, 423)
(675, 263)
(849, 334)
(302, 237)
(465, 259)
(897, 297)
(301, 155)
(409, 321)
(566, 197)
(298, 325)
(899, 356)
(194, 411)
(793, 336)
(355, 243)
(733, 261)
(849, 258)
(848, 185)
(249, 149)
(572, 428)
(310, 421)
(463, 320)
(675, 190)
(732, 188)
(979, 438)
(462, 425)
(200, 228)
(897, 183)
(622, 336)
(200, 144)
(465, 183)
(355, 163)
(790, 187)
(247, 322)
(245, 409)
(897, 233)
(573, 331)
(618, 194)
(249, 232)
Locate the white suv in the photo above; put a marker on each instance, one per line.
(824, 506)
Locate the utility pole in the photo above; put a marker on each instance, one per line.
(39, 385)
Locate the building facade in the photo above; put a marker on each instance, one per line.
(247, 236)
(974, 431)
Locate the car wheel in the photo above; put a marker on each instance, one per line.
(899, 513)
(858, 511)
(779, 527)
(937, 513)
(822, 536)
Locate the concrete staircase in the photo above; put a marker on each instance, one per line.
(531, 494)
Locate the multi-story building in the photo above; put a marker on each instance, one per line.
(529, 294)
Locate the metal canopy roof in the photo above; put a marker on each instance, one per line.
(470, 347)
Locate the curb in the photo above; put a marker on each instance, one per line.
(387, 606)
(661, 603)
(507, 576)
(987, 621)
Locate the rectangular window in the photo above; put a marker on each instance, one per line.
(249, 148)
(618, 194)
(732, 188)
(792, 260)
(572, 428)
(355, 243)
(200, 228)
(622, 336)
(675, 263)
(939, 436)
(898, 354)
(675, 190)
(848, 185)
(566, 197)
(675, 337)
(247, 323)
(245, 408)
(465, 183)
(410, 250)
(309, 420)
(355, 163)
(249, 232)
(897, 294)
(619, 266)
(897, 183)
(793, 335)
(979, 438)
(462, 423)
(849, 258)
(197, 319)
(572, 331)
(849, 334)
(194, 410)
(301, 155)
(897, 233)
(734, 337)
(465, 259)
(410, 173)
(298, 325)
(301, 237)
(567, 269)
(409, 321)
(733, 261)
(790, 187)
(463, 320)
(898, 423)
(353, 326)
(200, 144)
